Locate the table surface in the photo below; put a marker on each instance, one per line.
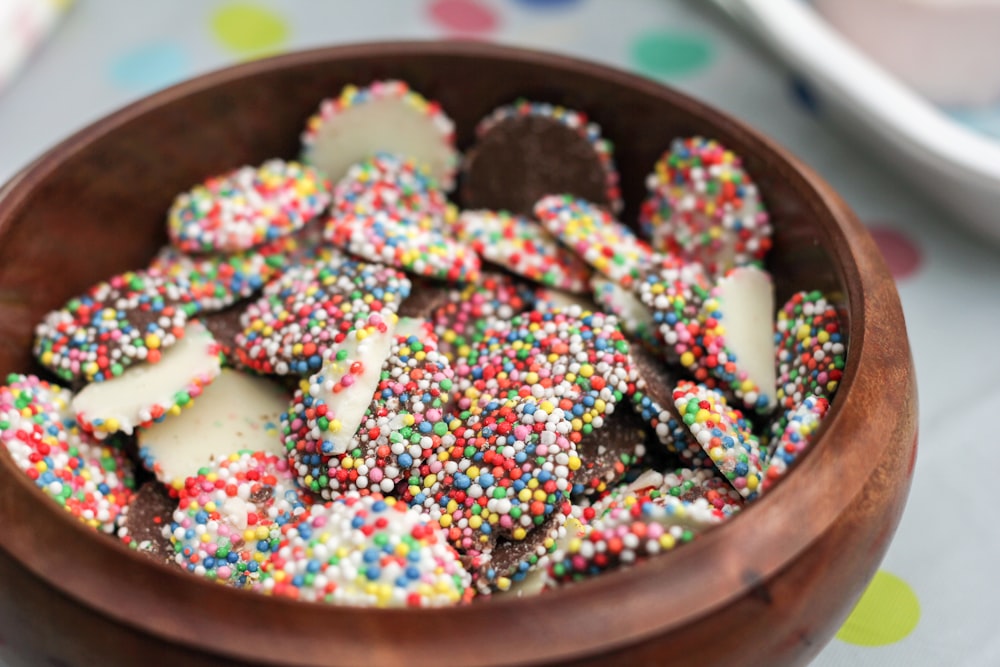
(931, 602)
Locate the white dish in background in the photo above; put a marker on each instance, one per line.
(953, 164)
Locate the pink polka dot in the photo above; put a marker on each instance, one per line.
(900, 252)
(462, 16)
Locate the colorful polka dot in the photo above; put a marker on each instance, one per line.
(548, 4)
(462, 16)
(249, 29)
(903, 256)
(804, 94)
(887, 612)
(668, 53)
(150, 66)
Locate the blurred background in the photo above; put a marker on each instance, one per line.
(887, 99)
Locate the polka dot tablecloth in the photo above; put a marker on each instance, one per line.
(932, 601)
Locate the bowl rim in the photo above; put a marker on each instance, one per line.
(874, 310)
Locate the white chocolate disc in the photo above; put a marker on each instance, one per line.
(238, 412)
(385, 117)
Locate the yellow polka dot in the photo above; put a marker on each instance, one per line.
(887, 612)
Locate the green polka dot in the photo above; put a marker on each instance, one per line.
(885, 614)
(248, 29)
(666, 53)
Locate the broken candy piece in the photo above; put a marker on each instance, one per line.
(147, 393)
(144, 519)
(237, 412)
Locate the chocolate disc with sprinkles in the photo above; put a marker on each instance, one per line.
(229, 517)
(217, 281)
(330, 405)
(508, 469)
(674, 291)
(653, 400)
(407, 421)
(302, 317)
(129, 318)
(723, 433)
(790, 436)
(509, 562)
(405, 242)
(497, 296)
(91, 480)
(635, 317)
(633, 528)
(390, 182)
(528, 391)
(592, 233)
(609, 452)
(383, 117)
(522, 246)
(527, 150)
(146, 394)
(810, 349)
(247, 207)
(704, 206)
(365, 551)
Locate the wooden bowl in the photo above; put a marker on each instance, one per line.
(769, 587)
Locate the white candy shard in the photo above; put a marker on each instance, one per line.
(745, 297)
(147, 393)
(237, 412)
(347, 405)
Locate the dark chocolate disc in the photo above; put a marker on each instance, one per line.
(143, 521)
(521, 159)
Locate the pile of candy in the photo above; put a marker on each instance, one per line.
(336, 385)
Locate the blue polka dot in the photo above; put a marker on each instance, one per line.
(547, 4)
(150, 67)
(804, 94)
